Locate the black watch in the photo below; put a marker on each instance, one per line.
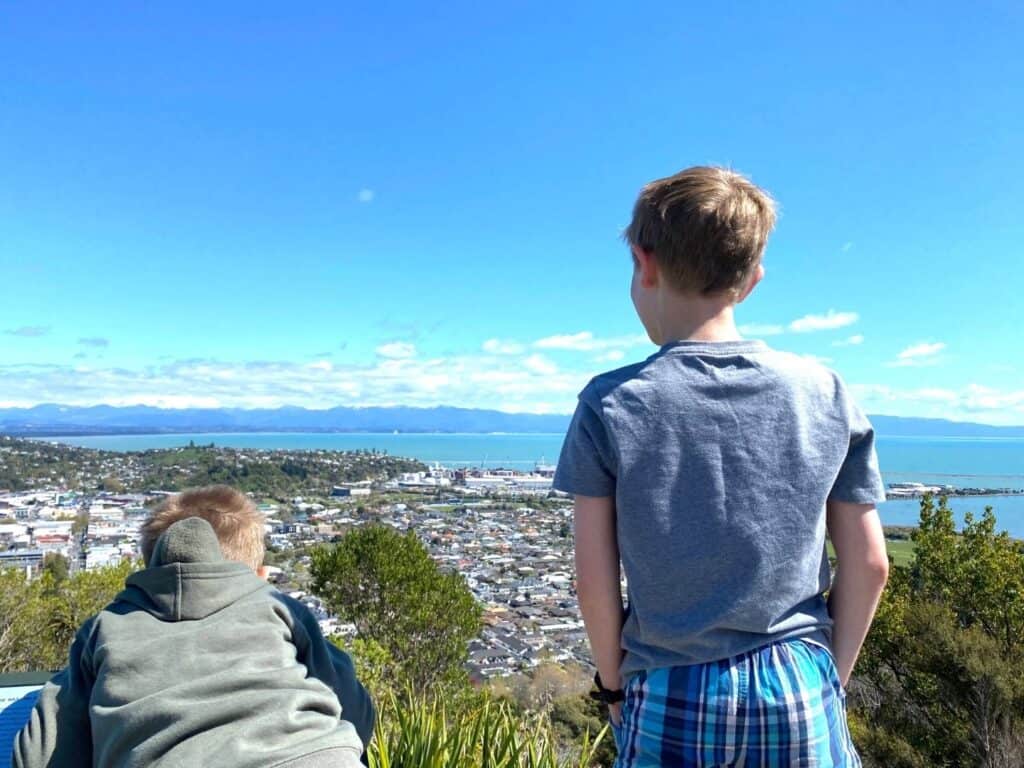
(603, 694)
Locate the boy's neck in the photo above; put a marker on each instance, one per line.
(697, 318)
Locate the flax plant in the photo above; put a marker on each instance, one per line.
(417, 732)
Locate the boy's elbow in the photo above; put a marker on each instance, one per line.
(876, 568)
(587, 588)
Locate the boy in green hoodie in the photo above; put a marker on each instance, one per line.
(200, 662)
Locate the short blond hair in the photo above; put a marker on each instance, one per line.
(231, 514)
(706, 226)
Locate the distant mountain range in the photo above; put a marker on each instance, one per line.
(50, 420)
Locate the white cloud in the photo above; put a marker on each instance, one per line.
(974, 402)
(935, 393)
(366, 195)
(94, 341)
(611, 356)
(540, 364)
(581, 342)
(758, 330)
(397, 350)
(982, 398)
(921, 350)
(918, 356)
(532, 383)
(29, 331)
(854, 341)
(827, 322)
(508, 383)
(502, 347)
(585, 341)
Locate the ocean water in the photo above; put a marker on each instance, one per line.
(977, 463)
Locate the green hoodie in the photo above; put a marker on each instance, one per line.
(199, 662)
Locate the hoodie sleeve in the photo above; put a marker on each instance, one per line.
(334, 667)
(58, 731)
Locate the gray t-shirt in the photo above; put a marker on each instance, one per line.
(720, 457)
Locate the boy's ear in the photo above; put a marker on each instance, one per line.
(755, 278)
(646, 265)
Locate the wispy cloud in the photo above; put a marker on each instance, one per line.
(922, 350)
(397, 350)
(827, 322)
(982, 398)
(502, 347)
(611, 356)
(29, 331)
(853, 341)
(540, 364)
(532, 384)
(94, 341)
(918, 355)
(846, 247)
(974, 402)
(585, 341)
(366, 195)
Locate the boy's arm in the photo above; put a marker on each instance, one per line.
(597, 585)
(333, 666)
(856, 533)
(357, 706)
(862, 568)
(58, 731)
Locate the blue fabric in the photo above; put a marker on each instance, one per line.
(780, 706)
(720, 457)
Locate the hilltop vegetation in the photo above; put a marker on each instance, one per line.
(26, 464)
(938, 682)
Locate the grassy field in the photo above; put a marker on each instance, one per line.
(900, 550)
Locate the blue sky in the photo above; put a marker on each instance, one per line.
(251, 204)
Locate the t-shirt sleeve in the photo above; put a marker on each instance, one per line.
(587, 464)
(859, 480)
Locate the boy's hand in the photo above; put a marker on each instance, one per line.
(862, 569)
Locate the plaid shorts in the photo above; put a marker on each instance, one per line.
(777, 706)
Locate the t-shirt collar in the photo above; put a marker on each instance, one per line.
(736, 347)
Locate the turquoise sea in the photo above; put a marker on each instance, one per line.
(978, 463)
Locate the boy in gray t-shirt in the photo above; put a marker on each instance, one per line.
(711, 471)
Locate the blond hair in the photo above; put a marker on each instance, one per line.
(706, 226)
(233, 516)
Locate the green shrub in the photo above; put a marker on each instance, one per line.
(421, 732)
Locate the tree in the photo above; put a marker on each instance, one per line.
(538, 689)
(81, 524)
(373, 663)
(55, 564)
(938, 683)
(387, 585)
(573, 718)
(111, 484)
(39, 617)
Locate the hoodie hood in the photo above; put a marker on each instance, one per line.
(188, 577)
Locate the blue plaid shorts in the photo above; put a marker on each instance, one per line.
(777, 706)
